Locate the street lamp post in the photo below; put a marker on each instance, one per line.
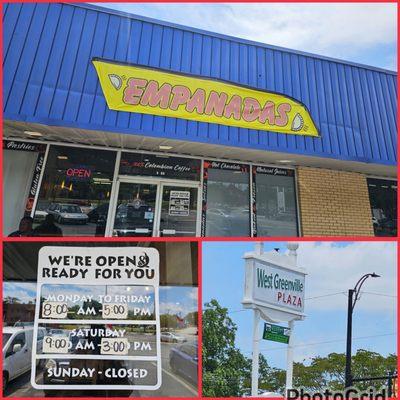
(354, 295)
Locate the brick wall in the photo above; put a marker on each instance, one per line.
(333, 203)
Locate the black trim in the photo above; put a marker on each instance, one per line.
(204, 201)
(23, 145)
(31, 147)
(265, 170)
(34, 184)
(160, 166)
(254, 201)
(227, 166)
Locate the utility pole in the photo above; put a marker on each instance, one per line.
(348, 377)
(354, 296)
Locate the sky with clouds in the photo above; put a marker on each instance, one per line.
(359, 32)
(332, 269)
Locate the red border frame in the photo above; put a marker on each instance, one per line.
(200, 240)
(116, 240)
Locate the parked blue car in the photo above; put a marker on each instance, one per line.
(184, 361)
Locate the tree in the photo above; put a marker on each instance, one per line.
(271, 379)
(168, 321)
(370, 364)
(192, 318)
(328, 371)
(11, 300)
(225, 369)
(227, 373)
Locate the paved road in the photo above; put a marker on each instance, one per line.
(172, 385)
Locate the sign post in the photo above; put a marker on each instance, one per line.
(289, 359)
(255, 355)
(274, 289)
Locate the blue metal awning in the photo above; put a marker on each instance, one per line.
(49, 79)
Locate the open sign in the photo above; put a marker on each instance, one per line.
(83, 173)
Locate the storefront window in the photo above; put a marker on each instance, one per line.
(383, 199)
(75, 190)
(136, 204)
(275, 201)
(226, 193)
(152, 205)
(178, 313)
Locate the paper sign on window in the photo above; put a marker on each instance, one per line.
(179, 203)
(99, 308)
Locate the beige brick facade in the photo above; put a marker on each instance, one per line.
(333, 203)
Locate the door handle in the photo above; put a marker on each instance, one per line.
(168, 231)
(142, 230)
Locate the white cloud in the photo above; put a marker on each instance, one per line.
(22, 296)
(332, 269)
(193, 294)
(24, 292)
(177, 308)
(336, 29)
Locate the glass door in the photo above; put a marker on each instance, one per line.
(178, 214)
(135, 209)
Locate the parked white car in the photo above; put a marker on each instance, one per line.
(67, 213)
(17, 351)
(172, 337)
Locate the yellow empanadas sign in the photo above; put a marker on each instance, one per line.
(134, 88)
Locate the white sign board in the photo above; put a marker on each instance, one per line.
(278, 287)
(99, 309)
(179, 203)
(275, 286)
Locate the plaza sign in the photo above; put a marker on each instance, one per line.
(274, 289)
(139, 89)
(279, 287)
(98, 309)
(274, 286)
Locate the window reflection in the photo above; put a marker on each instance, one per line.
(179, 333)
(135, 209)
(228, 201)
(75, 191)
(178, 211)
(383, 199)
(275, 202)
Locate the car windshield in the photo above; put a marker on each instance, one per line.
(6, 336)
(71, 209)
